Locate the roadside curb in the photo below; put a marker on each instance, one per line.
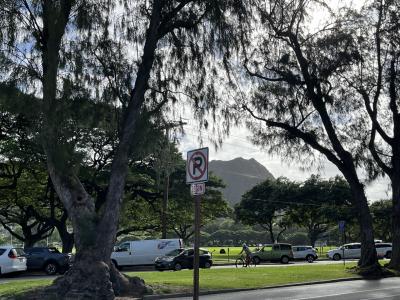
(148, 297)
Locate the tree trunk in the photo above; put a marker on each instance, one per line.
(271, 232)
(28, 243)
(368, 258)
(278, 237)
(92, 276)
(67, 239)
(312, 236)
(395, 259)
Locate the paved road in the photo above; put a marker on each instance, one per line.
(387, 289)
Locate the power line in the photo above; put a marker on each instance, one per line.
(206, 132)
(295, 203)
(234, 145)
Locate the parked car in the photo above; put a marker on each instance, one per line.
(131, 253)
(12, 259)
(384, 250)
(274, 252)
(307, 253)
(179, 259)
(353, 250)
(48, 259)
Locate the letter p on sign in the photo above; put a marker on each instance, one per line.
(197, 166)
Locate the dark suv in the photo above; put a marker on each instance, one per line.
(47, 259)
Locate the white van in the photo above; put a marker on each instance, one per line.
(144, 252)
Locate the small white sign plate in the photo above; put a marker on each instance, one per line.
(197, 189)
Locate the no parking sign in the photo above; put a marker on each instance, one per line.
(197, 166)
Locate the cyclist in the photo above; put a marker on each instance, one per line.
(246, 250)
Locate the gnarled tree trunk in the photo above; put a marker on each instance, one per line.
(368, 258)
(92, 275)
(395, 258)
(67, 238)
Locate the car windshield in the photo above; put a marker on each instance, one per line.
(53, 250)
(174, 252)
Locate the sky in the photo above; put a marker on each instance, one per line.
(239, 145)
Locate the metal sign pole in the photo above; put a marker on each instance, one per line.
(196, 261)
(197, 175)
(343, 241)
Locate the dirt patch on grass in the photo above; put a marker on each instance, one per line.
(162, 289)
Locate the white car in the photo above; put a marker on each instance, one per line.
(384, 250)
(305, 252)
(353, 250)
(12, 259)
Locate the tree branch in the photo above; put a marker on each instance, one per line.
(306, 137)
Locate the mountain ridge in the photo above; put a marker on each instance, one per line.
(239, 175)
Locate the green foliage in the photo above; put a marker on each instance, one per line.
(265, 205)
(25, 201)
(315, 205)
(181, 207)
(381, 212)
(142, 208)
(320, 204)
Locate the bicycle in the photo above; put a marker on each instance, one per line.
(241, 261)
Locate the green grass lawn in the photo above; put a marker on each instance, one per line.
(247, 277)
(212, 279)
(15, 288)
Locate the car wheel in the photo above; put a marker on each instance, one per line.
(207, 265)
(388, 255)
(336, 256)
(178, 267)
(51, 268)
(119, 268)
(256, 260)
(284, 259)
(310, 258)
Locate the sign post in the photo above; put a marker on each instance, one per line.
(197, 175)
(342, 228)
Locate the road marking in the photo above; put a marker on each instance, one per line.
(341, 294)
(386, 297)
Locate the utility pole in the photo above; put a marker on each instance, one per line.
(165, 208)
(166, 190)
